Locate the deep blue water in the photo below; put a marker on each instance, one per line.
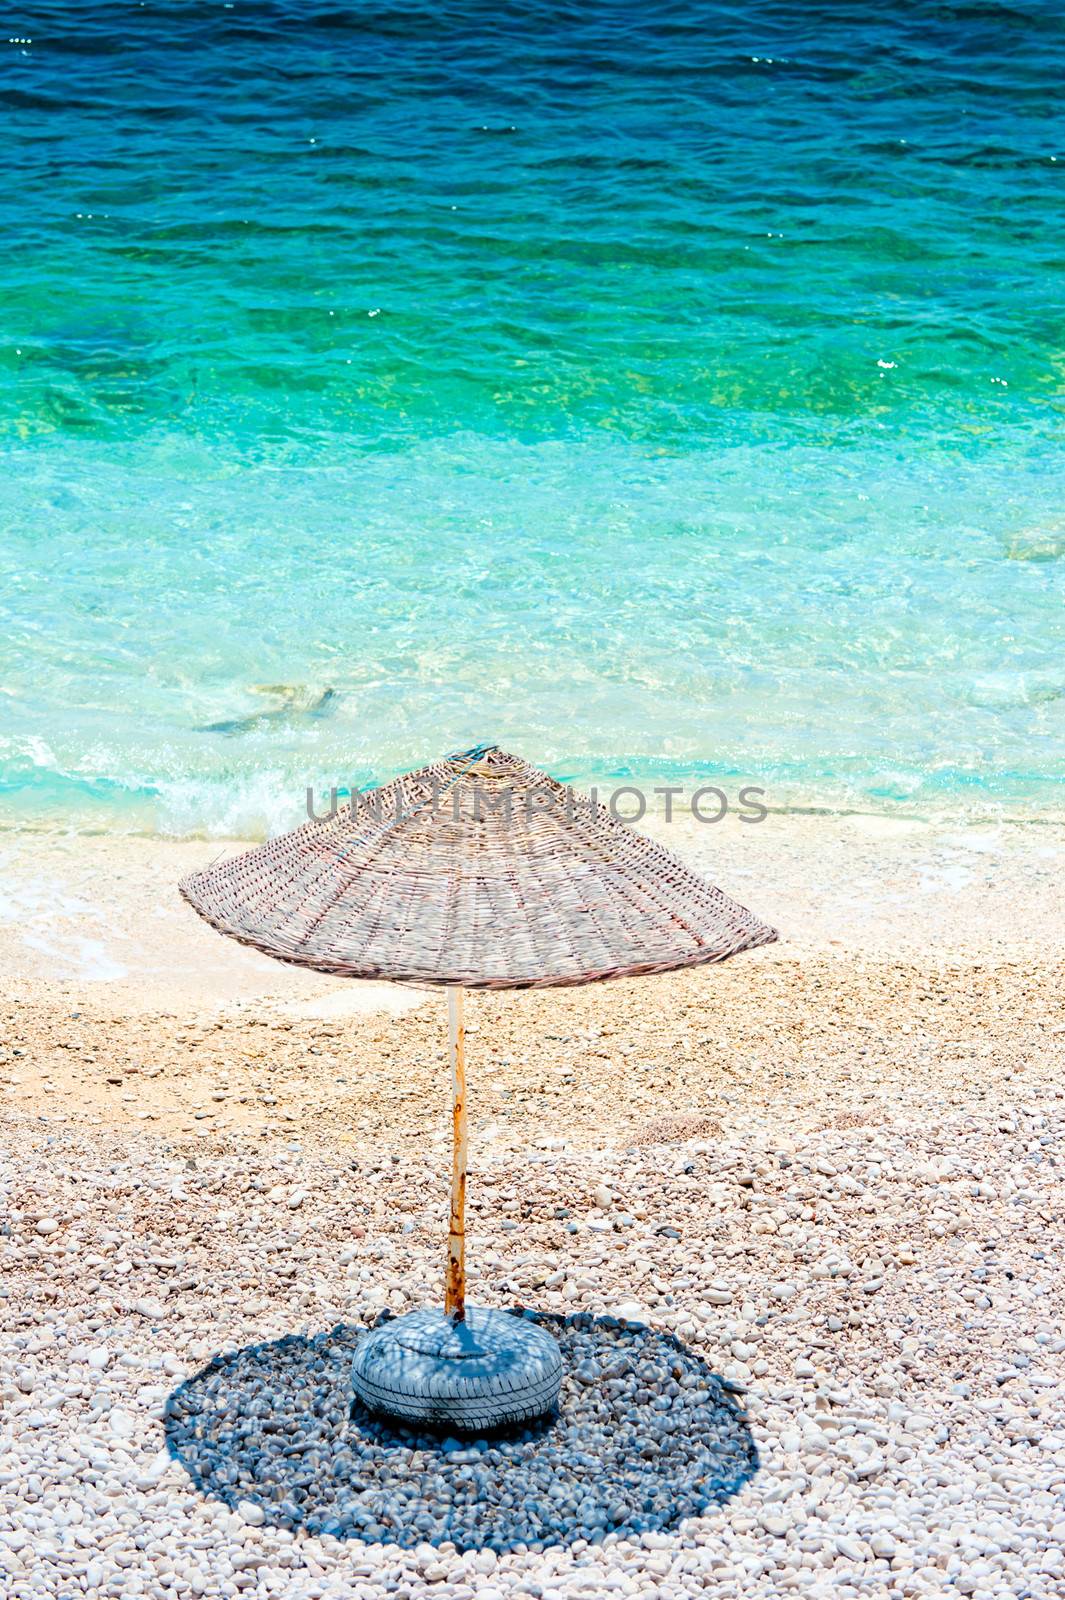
(657, 390)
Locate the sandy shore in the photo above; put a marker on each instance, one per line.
(831, 1168)
(914, 962)
(81, 911)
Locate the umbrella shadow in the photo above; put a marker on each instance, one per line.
(645, 1435)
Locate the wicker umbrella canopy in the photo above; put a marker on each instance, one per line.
(479, 872)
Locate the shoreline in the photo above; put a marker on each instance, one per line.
(907, 954)
(80, 912)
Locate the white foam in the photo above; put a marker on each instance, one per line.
(80, 957)
(46, 919)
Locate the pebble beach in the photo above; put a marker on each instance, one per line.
(795, 1216)
(667, 396)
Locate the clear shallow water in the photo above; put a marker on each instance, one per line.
(664, 396)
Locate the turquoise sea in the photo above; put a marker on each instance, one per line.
(661, 391)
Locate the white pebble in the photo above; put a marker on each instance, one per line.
(121, 1423)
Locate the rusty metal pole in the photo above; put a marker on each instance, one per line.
(455, 1293)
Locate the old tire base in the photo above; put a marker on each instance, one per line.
(494, 1370)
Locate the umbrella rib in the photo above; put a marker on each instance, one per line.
(382, 839)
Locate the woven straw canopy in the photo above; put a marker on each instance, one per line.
(480, 871)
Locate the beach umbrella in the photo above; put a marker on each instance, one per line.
(476, 872)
